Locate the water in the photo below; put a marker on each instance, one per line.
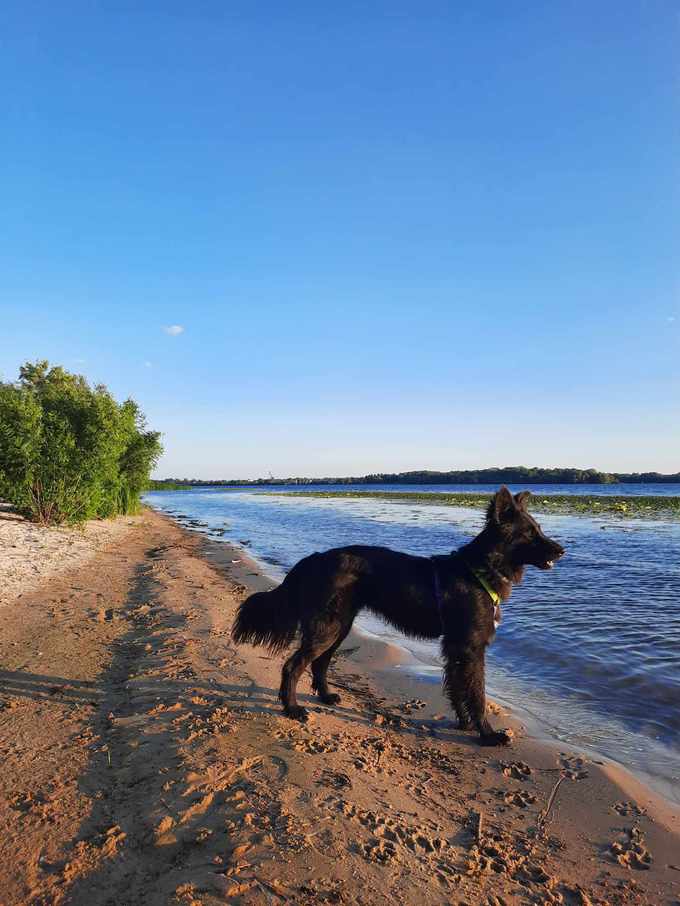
(591, 649)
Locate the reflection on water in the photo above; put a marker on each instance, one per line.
(591, 649)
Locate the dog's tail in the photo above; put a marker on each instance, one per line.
(271, 618)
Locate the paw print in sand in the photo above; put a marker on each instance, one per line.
(413, 704)
(335, 779)
(572, 766)
(518, 770)
(629, 849)
(628, 809)
(520, 798)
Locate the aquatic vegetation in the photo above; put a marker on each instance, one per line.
(629, 507)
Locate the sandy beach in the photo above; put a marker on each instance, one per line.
(146, 761)
(30, 554)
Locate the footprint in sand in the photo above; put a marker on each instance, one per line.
(520, 798)
(629, 849)
(25, 802)
(389, 833)
(315, 746)
(629, 809)
(335, 779)
(572, 766)
(413, 704)
(518, 770)
(382, 851)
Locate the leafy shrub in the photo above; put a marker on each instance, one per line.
(68, 451)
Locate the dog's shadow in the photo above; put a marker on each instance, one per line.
(249, 698)
(369, 711)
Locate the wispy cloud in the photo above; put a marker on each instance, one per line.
(671, 319)
(148, 365)
(174, 330)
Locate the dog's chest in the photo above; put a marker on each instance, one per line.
(496, 615)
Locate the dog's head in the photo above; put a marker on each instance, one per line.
(521, 534)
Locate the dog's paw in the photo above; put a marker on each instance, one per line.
(499, 738)
(296, 712)
(331, 699)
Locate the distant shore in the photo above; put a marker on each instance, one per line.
(521, 475)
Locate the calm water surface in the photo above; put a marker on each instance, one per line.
(591, 649)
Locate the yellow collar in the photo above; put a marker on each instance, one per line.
(479, 576)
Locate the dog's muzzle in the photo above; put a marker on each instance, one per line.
(558, 552)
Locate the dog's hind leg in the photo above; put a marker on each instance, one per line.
(464, 683)
(314, 645)
(293, 669)
(320, 670)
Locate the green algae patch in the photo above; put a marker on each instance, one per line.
(627, 507)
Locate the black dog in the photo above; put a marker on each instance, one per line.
(455, 596)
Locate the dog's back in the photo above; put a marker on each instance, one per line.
(336, 585)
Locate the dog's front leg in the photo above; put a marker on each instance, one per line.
(464, 684)
(453, 687)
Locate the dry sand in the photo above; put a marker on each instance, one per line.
(146, 761)
(29, 554)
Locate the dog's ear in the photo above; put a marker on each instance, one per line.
(502, 507)
(522, 498)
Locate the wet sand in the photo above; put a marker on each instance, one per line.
(146, 761)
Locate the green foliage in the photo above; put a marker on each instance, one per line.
(165, 484)
(68, 451)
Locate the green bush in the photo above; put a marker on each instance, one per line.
(68, 451)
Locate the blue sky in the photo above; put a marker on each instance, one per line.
(396, 235)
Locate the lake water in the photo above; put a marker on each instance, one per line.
(590, 650)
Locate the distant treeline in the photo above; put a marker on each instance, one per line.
(506, 475)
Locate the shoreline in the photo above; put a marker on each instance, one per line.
(380, 660)
(146, 761)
